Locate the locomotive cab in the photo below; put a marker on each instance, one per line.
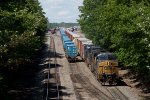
(91, 52)
(107, 67)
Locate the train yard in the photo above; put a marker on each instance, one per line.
(75, 81)
(75, 50)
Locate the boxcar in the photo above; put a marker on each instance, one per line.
(84, 48)
(71, 35)
(79, 43)
(74, 36)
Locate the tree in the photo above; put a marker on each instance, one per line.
(121, 27)
(22, 28)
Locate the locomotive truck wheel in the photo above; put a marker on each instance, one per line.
(110, 82)
(90, 67)
(97, 76)
(115, 83)
(103, 83)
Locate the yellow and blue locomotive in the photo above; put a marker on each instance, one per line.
(103, 64)
(106, 66)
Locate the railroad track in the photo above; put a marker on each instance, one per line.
(52, 84)
(79, 78)
(116, 93)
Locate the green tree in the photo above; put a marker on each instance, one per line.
(22, 28)
(121, 27)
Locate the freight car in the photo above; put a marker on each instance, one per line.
(69, 47)
(101, 62)
(71, 35)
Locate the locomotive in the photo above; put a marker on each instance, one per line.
(107, 65)
(102, 63)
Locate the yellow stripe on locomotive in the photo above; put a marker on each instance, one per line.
(107, 68)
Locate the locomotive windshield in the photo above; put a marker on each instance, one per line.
(106, 56)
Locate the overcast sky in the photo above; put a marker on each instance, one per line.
(61, 10)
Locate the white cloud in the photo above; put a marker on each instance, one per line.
(55, 7)
(79, 2)
(51, 1)
(61, 10)
(63, 13)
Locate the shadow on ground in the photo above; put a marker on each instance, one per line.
(137, 81)
(26, 82)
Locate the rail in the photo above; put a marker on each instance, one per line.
(52, 53)
(56, 74)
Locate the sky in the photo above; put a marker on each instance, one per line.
(61, 10)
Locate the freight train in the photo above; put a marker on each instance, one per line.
(69, 47)
(102, 63)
